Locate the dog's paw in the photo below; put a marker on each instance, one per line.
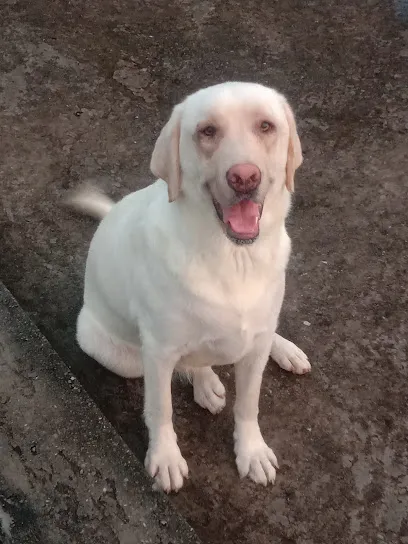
(209, 391)
(167, 466)
(256, 460)
(289, 356)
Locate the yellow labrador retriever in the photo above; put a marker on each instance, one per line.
(189, 273)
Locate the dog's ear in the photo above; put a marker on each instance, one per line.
(294, 158)
(165, 161)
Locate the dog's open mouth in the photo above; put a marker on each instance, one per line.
(241, 220)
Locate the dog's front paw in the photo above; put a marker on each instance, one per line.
(166, 465)
(255, 459)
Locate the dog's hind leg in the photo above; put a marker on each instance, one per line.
(116, 355)
(209, 391)
(289, 356)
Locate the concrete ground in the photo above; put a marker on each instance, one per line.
(66, 477)
(84, 90)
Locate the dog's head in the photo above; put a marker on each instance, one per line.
(230, 144)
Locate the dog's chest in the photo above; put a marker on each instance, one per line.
(228, 324)
(224, 337)
(230, 304)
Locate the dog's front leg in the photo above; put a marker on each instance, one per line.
(164, 461)
(254, 458)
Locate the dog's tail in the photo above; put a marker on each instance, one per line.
(90, 201)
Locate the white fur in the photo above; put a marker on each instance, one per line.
(91, 201)
(166, 289)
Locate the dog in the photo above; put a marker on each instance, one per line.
(189, 273)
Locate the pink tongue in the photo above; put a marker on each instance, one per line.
(243, 217)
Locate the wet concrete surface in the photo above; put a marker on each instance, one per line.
(65, 474)
(84, 90)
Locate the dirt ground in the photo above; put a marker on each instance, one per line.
(84, 89)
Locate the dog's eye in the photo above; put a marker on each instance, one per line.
(266, 126)
(209, 131)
